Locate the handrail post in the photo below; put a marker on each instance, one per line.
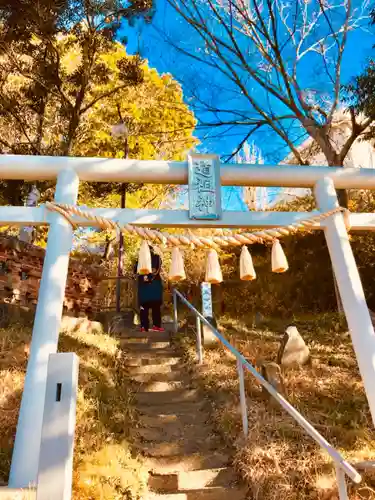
(245, 422)
(341, 483)
(342, 466)
(199, 341)
(175, 312)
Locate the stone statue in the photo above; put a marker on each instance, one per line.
(293, 350)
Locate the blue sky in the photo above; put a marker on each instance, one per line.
(150, 41)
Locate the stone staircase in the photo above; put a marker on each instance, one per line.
(17, 494)
(186, 460)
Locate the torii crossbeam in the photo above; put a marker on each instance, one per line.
(68, 172)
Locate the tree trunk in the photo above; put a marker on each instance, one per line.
(72, 130)
(108, 249)
(120, 255)
(342, 194)
(343, 197)
(14, 192)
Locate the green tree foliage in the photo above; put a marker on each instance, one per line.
(44, 92)
(360, 93)
(66, 80)
(55, 55)
(158, 123)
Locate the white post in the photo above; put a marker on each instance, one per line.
(245, 421)
(341, 483)
(59, 420)
(350, 287)
(45, 337)
(199, 341)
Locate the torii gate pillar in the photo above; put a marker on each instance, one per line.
(24, 469)
(350, 288)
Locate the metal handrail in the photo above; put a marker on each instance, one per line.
(342, 466)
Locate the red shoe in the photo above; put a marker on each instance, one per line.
(143, 330)
(157, 329)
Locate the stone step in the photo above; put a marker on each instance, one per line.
(173, 496)
(163, 483)
(151, 353)
(150, 336)
(170, 376)
(162, 386)
(199, 479)
(17, 493)
(192, 480)
(235, 493)
(153, 368)
(186, 463)
(169, 397)
(176, 410)
(177, 422)
(143, 343)
(150, 359)
(171, 433)
(179, 448)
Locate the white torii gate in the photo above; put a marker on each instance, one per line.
(68, 172)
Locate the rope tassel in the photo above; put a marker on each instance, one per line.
(247, 271)
(213, 270)
(144, 259)
(278, 258)
(177, 270)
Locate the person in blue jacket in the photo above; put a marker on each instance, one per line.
(150, 295)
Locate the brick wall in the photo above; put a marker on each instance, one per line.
(21, 270)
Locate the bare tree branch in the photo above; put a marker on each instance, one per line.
(259, 46)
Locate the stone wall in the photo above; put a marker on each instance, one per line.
(21, 270)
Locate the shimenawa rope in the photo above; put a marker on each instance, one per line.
(191, 239)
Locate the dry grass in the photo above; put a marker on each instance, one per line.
(14, 343)
(279, 461)
(104, 467)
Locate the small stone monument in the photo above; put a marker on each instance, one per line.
(293, 349)
(208, 337)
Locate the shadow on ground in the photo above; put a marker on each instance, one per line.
(104, 467)
(279, 460)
